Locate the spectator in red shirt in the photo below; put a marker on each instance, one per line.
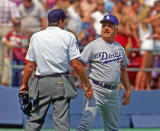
(14, 39)
(8, 13)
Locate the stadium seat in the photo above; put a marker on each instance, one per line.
(10, 111)
(146, 121)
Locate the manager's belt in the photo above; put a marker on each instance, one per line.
(104, 85)
(53, 75)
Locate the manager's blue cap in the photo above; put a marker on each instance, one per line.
(56, 15)
(111, 18)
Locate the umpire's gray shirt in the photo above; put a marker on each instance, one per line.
(52, 49)
(105, 60)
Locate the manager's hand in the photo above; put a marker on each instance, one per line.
(126, 97)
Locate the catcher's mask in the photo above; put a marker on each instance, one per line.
(26, 104)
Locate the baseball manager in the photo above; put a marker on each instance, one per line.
(107, 66)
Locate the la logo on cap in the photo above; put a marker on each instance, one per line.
(108, 17)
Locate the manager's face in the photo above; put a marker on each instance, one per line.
(109, 31)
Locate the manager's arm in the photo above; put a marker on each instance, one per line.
(125, 82)
(79, 69)
(29, 68)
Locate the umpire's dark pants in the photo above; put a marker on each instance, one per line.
(50, 90)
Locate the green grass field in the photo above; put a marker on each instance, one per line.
(126, 129)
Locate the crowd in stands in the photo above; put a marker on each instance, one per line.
(139, 27)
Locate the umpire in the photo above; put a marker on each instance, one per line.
(50, 54)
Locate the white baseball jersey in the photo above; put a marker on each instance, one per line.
(105, 60)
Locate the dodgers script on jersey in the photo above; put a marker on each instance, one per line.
(106, 60)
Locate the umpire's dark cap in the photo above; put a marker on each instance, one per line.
(56, 15)
(116, 1)
(110, 18)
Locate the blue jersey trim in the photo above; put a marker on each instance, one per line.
(112, 60)
(82, 60)
(125, 65)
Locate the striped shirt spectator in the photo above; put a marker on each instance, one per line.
(8, 11)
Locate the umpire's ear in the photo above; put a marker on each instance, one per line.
(61, 24)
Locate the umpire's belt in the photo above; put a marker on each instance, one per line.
(104, 85)
(53, 75)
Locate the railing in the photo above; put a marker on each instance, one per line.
(129, 69)
(10, 67)
(140, 69)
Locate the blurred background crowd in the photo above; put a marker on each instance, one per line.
(138, 32)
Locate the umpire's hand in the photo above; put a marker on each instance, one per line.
(24, 89)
